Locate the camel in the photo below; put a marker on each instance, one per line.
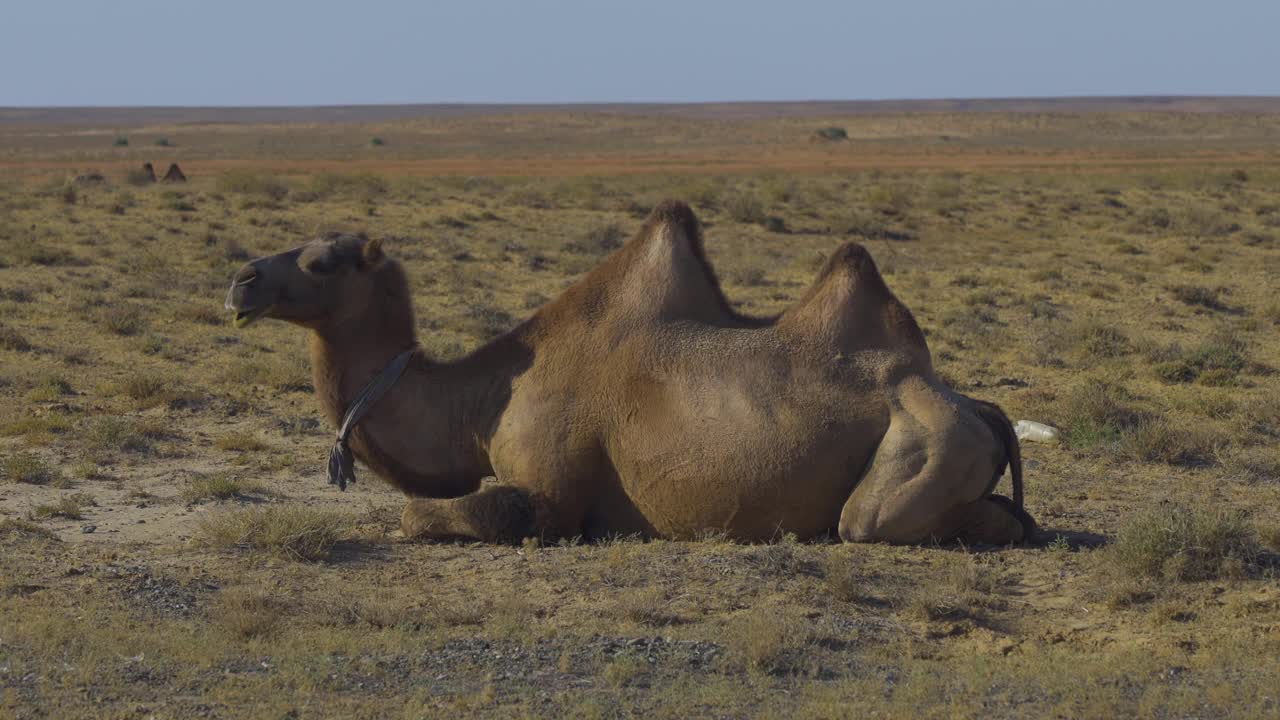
(640, 403)
(174, 174)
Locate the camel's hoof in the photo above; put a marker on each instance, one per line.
(1029, 528)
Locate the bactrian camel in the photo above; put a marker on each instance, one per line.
(640, 402)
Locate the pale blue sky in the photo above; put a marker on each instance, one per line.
(288, 52)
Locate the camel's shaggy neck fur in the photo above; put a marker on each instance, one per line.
(454, 403)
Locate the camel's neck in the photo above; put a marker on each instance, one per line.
(427, 434)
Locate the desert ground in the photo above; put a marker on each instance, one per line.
(169, 546)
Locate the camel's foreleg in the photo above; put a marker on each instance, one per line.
(498, 514)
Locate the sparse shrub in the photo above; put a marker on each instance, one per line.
(488, 321)
(1200, 296)
(49, 389)
(767, 640)
(376, 142)
(1200, 221)
(1176, 542)
(214, 487)
(380, 611)
(245, 182)
(645, 606)
(1154, 439)
(1159, 218)
(1096, 413)
(233, 250)
(68, 507)
(163, 142)
(123, 320)
(295, 532)
(598, 240)
(118, 434)
(120, 142)
(139, 177)
(842, 571)
(892, 200)
(862, 223)
(240, 442)
(11, 339)
(248, 613)
(1215, 362)
(744, 207)
(23, 467)
(625, 669)
(14, 528)
(330, 184)
(831, 134)
(1097, 339)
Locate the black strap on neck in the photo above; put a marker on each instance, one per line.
(342, 469)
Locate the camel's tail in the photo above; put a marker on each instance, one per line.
(999, 423)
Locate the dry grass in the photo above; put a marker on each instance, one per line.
(295, 532)
(768, 640)
(23, 467)
(249, 612)
(1126, 301)
(217, 487)
(1177, 542)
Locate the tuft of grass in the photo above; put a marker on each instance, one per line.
(123, 320)
(383, 610)
(767, 640)
(49, 388)
(646, 606)
(744, 207)
(15, 528)
(843, 574)
(255, 185)
(11, 339)
(1157, 439)
(1199, 296)
(1096, 414)
(240, 442)
(122, 434)
(24, 467)
(625, 669)
(1175, 542)
(598, 240)
(69, 507)
(295, 532)
(1096, 339)
(36, 428)
(248, 612)
(215, 487)
(1216, 361)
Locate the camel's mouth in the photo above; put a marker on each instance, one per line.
(245, 317)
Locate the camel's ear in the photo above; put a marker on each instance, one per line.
(372, 252)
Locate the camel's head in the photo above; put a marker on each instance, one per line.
(326, 279)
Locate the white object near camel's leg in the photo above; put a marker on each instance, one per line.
(1032, 431)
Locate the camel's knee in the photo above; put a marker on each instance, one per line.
(871, 528)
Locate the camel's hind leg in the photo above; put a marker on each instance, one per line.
(497, 514)
(926, 485)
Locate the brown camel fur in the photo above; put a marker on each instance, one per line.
(174, 174)
(639, 402)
